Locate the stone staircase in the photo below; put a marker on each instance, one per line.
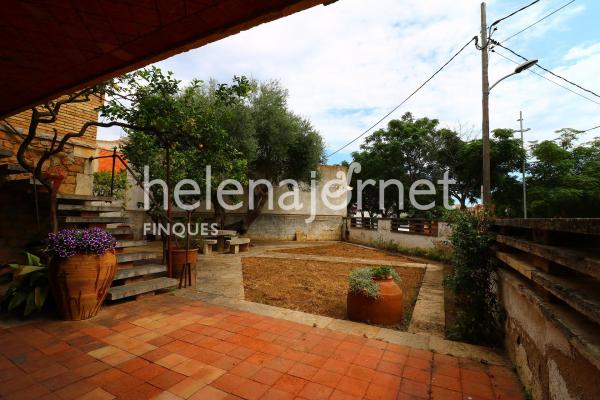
(139, 270)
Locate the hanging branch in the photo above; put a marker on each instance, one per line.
(48, 114)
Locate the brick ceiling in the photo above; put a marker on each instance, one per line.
(53, 47)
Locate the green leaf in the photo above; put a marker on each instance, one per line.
(5, 278)
(30, 304)
(33, 259)
(41, 292)
(27, 269)
(17, 300)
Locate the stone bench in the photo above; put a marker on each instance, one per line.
(207, 246)
(238, 244)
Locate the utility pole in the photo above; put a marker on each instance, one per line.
(485, 125)
(524, 161)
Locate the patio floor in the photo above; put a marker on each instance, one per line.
(168, 347)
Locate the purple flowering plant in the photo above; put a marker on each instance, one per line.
(68, 242)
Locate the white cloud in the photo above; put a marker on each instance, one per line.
(356, 55)
(583, 51)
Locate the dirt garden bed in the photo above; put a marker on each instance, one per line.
(342, 249)
(315, 287)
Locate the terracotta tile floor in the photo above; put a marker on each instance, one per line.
(166, 347)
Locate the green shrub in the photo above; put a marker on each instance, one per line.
(102, 181)
(29, 288)
(362, 280)
(440, 253)
(473, 279)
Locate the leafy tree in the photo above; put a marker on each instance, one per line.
(186, 123)
(406, 151)
(287, 146)
(243, 130)
(564, 179)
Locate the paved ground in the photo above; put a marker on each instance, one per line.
(169, 347)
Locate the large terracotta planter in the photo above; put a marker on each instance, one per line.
(385, 310)
(80, 283)
(178, 260)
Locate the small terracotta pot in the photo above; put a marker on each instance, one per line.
(80, 283)
(178, 261)
(385, 310)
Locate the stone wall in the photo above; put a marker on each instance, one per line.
(275, 223)
(266, 227)
(74, 160)
(383, 233)
(18, 227)
(539, 342)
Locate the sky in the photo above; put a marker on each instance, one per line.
(348, 64)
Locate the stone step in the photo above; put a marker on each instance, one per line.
(585, 261)
(5, 153)
(582, 333)
(585, 226)
(136, 288)
(81, 198)
(87, 208)
(130, 243)
(581, 293)
(140, 256)
(518, 262)
(140, 270)
(11, 169)
(94, 220)
(119, 230)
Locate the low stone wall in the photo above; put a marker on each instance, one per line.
(294, 227)
(540, 345)
(268, 226)
(383, 233)
(549, 280)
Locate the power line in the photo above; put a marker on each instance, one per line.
(549, 80)
(496, 22)
(545, 69)
(591, 129)
(538, 21)
(406, 99)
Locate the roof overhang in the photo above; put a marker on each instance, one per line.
(55, 47)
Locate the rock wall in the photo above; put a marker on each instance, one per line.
(384, 234)
(73, 161)
(539, 341)
(18, 227)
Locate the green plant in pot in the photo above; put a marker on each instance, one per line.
(374, 296)
(82, 268)
(28, 290)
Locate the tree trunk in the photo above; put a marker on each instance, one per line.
(53, 207)
(260, 197)
(219, 212)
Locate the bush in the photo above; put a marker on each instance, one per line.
(440, 253)
(361, 280)
(473, 279)
(102, 184)
(29, 288)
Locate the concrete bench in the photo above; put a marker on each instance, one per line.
(238, 244)
(207, 246)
